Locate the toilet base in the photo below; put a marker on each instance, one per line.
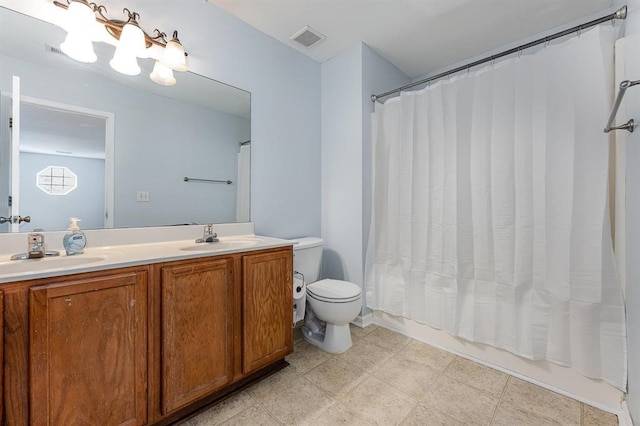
(334, 339)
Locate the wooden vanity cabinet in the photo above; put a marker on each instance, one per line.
(142, 345)
(88, 350)
(1, 354)
(219, 320)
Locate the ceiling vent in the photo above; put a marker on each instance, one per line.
(308, 37)
(53, 49)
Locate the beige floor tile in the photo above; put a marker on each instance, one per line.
(337, 376)
(378, 402)
(338, 414)
(306, 356)
(477, 375)
(365, 355)
(509, 415)
(223, 411)
(275, 382)
(408, 376)
(460, 401)
(425, 354)
(387, 339)
(254, 416)
(358, 333)
(541, 402)
(592, 416)
(429, 416)
(298, 403)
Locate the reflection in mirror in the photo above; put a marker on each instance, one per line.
(198, 128)
(62, 157)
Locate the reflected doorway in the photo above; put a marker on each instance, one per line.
(65, 166)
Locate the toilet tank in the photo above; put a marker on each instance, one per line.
(307, 257)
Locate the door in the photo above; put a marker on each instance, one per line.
(56, 162)
(5, 161)
(9, 165)
(64, 165)
(88, 350)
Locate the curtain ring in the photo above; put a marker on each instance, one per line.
(546, 42)
(519, 53)
(579, 31)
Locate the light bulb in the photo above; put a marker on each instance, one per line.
(132, 40)
(77, 47)
(131, 44)
(125, 63)
(162, 75)
(79, 18)
(173, 55)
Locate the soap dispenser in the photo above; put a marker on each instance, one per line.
(74, 241)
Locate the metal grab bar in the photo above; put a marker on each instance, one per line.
(629, 125)
(187, 179)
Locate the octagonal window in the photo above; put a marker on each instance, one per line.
(56, 180)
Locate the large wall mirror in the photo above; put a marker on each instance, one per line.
(115, 150)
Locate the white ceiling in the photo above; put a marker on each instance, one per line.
(417, 36)
(53, 131)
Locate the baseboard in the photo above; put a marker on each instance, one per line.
(624, 418)
(363, 321)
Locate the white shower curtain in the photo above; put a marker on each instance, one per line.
(490, 215)
(243, 184)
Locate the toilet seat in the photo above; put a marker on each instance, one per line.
(334, 291)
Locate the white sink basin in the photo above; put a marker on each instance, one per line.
(46, 263)
(230, 244)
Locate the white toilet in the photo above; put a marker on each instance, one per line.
(331, 304)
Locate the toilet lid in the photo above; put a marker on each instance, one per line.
(334, 289)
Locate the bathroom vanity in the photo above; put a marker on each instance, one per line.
(142, 333)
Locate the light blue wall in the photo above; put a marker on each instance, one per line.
(285, 116)
(52, 212)
(341, 166)
(348, 81)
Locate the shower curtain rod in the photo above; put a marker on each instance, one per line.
(618, 14)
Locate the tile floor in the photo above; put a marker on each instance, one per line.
(389, 379)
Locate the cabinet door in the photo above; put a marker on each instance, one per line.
(88, 348)
(267, 308)
(197, 332)
(1, 355)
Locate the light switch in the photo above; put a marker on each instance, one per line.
(142, 196)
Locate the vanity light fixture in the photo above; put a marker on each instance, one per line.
(86, 23)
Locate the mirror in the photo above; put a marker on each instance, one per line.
(139, 140)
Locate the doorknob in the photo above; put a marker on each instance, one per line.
(15, 219)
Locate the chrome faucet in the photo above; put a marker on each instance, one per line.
(35, 245)
(35, 248)
(208, 235)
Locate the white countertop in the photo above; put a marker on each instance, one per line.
(118, 256)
